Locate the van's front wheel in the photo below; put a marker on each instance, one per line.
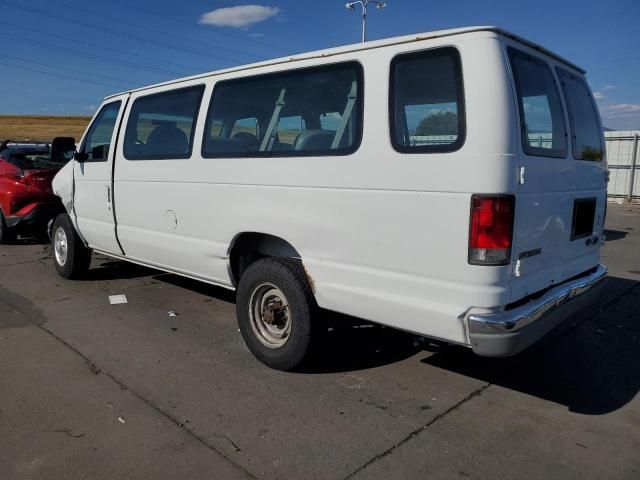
(275, 309)
(71, 257)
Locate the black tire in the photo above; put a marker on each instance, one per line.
(288, 276)
(78, 256)
(6, 235)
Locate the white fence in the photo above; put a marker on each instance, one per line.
(624, 164)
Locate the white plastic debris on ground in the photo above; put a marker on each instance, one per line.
(117, 299)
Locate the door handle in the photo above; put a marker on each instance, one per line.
(108, 193)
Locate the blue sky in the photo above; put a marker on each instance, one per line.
(64, 56)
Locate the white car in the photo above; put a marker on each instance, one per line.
(451, 184)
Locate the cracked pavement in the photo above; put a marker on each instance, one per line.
(93, 390)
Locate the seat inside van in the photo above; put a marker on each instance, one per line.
(314, 140)
(167, 138)
(248, 140)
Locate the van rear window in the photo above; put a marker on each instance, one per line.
(426, 102)
(585, 126)
(541, 116)
(311, 111)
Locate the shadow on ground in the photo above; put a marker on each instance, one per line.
(29, 239)
(612, 235)
(350, 343)
(202, 288)
(117, 270)
(592, 367)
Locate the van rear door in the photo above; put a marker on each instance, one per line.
(561, 193)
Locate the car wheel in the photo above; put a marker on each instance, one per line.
(276, 309)
(6, 235)
(71, 257)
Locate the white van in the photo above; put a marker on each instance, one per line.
(451, 184)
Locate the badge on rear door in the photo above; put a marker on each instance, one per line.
(530, 253)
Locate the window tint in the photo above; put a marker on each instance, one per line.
(98, 140)
(216, 127)
(289, 128)
(285, 114)
(585, 126)
(541, 116)
(427, 105)
(162, 125)
(247, 125)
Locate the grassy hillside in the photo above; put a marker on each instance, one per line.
(41, 127)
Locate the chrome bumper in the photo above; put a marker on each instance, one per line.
(508, 332)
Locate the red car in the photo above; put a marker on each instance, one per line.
(26, 200)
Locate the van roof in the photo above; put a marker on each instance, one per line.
(358, 47)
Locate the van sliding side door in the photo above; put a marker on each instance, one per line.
(93, 198)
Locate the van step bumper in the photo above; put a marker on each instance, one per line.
(508, 332)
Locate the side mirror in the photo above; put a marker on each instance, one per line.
(62, 147)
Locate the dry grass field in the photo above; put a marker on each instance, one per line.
(44, 128)
(41, 127)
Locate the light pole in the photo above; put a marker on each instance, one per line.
(364, 4)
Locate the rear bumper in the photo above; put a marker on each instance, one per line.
(508, 332)
(37, 215)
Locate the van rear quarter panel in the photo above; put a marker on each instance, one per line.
(383, 235)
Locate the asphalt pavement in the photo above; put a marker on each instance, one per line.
(99, 391)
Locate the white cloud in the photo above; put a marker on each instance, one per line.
(600, 95)
(256, 34)
(238, 17)
(620, 110)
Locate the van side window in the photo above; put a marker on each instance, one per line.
(427, 102)
(283, 114)
(243, 129)
(289, 128)
(541, 116)
(162, 125)
(98, 141)
(585, 125)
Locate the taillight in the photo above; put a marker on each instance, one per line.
(491, 229)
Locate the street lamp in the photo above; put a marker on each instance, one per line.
(364, 4)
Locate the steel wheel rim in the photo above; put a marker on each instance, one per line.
(270, 315)
(60, 246)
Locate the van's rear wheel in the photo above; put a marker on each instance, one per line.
(6, 235)
(71, 257)
(275, 309)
